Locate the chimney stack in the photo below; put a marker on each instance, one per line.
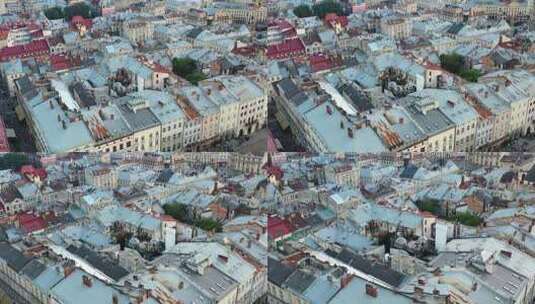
(329, 110)
(68, 268)
(87, 281)
(114, 299)
(344, 281)
(350, 132)
(371, 290)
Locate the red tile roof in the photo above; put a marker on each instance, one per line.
(61, 62)
(285, 28)
(275, 171)
(320, 62)
(79, 20)
(34, 48)
(288, 48)
(333, 19)
(278, 227)
(30, 222)
(244, 50)
(32, 171)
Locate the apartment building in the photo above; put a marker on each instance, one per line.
(397, 28)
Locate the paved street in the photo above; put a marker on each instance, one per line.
(24, 141)
(285, 137)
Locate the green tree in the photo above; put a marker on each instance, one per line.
(303, 11)
(78, 9)
(429, 206)
(195, 77)
(453, 62)
(456, 64)
(187, 68)
(208, 224)
(184, 66)
(14, 161)
(326, 7)
(471, 75)
(178, 211)
(466, 218)
(54, 13)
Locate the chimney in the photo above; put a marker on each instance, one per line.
(114, 299)
(350, 132)
(341, 124)
(474, 286)
(497, 88)
(63, 124)
(329, 110)
(451, 103)
(371, 290)
(87, 281)
(223, 258)
(345, 280)
(401, 120)
(59, 117)
(208, 92)
(249, 243)
(51, 104)
(68, 268)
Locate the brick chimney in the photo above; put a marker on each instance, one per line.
(87, 281)
(345, 280)
(371, 290)
(68, 268)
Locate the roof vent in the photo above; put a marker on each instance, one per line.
(87, 281)
(371, 290)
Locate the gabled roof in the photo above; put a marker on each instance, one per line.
(13, 257)
(278, 272)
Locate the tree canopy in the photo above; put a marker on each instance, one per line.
(77, 9)
(456, 64)
(54, 13)
(14, 161)
(326, 7)
(178, 211)
(181, 213)
(303, 11)
(319, 9)
(466, 218)
(187, 68)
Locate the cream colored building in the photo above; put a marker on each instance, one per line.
(101, 177)
(247, 14)
(397, 28)
(138, 31)
(343, 175)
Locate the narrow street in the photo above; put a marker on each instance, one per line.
(24, 141)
